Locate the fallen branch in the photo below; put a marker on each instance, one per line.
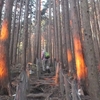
(43, 82)
(38, 95)
(53, 90)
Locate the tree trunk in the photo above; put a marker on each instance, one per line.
(94, 33)
(29, 53)
(25, 35)
(64, 46)
(79, 59)
(38, 31)
(68, 37)
(49, 33)
(59, 33)
(94, 88)
(36, 35)
(4, 46)
(12, 33)
(16, 36)
(67, 88)
(1, 6)
(55, 29)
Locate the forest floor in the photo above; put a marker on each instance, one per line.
(43, 88)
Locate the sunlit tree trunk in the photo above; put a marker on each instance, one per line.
(32, 41)
(4, 46)
(94, 88)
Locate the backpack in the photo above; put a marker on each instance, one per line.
(47, 55)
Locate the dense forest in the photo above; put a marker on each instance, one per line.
(68, 31)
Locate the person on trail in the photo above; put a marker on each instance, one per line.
(45, 61)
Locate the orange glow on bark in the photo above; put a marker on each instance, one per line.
(56, 77)
(69, 55)
(4, 31)
(3, 70)
(80, 64)
(3, 58)
(70, 22)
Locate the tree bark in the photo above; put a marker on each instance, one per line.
(12, 33)
(68, 37)
(79, 59)
(1, 6)
(16, 36)
(55, 29)
(59, 33)
(25, 35)
(94, 88)
(4, 46)
(38, 31)
(49, 33)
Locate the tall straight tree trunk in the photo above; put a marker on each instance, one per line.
(1, 6)
(65, 59)
(16, 36)
(79, 59)
(49, 32)
(25, 34)
(4, 46)
(36, 35)
(32, 40)
(38, 31)
(55, 29)
(47, 37)
(98, 11)
(29, 57)
(68, 38)
(59, 32)
(12, 33)
(19, 36)
(96, 16)
(94, 32)
(79, 16)
(54, 53)
(94, 88)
